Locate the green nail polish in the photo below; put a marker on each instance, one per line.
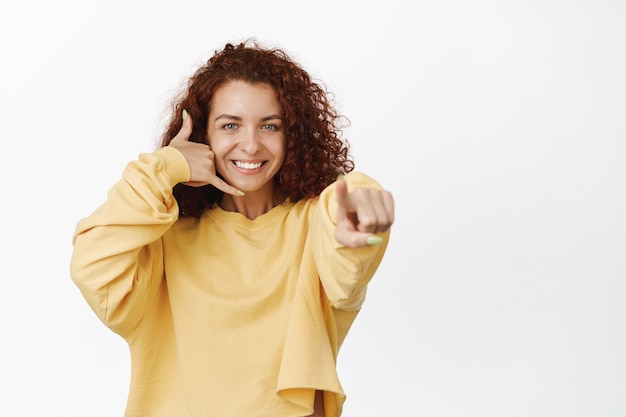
(239, 192)
(340, 177)
(185, 114)
(374, 240)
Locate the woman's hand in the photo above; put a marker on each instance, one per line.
(361, 214)
(200, 158)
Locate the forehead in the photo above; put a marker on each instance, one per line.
(244, 96)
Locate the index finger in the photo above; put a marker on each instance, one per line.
(343, 198)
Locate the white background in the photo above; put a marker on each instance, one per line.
(499, 126)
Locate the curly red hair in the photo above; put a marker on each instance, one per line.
(315, 153)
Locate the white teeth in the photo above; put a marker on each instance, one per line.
(247, 165)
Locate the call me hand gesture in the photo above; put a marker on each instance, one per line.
(200, 158)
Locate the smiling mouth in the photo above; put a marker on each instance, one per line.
(248, 165)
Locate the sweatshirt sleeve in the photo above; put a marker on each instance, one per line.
(344, 271)
(117, 260)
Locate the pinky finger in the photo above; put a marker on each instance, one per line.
(228, 189)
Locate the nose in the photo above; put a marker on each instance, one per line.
(250, 141)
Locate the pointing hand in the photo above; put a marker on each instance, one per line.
(361, 214)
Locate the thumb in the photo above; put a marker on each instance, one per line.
(186, 128)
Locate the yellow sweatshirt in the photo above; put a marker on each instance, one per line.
(224, 316)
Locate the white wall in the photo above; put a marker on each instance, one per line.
(499, 126)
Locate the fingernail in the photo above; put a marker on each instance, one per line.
(185, 114)
(239, 192)
(340, 177)
(374, 240)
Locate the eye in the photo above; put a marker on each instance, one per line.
(229, 126)
(271, 127)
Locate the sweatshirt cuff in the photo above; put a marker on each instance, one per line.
(175, 164)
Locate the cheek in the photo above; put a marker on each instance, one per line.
(220, 166)
(219, 147)
(280, 148)
(218, 153)
(218, 158)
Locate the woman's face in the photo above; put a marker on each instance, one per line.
(245, 133)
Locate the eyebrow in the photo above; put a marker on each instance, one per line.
(233, 117)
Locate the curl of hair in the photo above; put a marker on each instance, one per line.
(315, 152)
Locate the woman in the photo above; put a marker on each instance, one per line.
(231, 259)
